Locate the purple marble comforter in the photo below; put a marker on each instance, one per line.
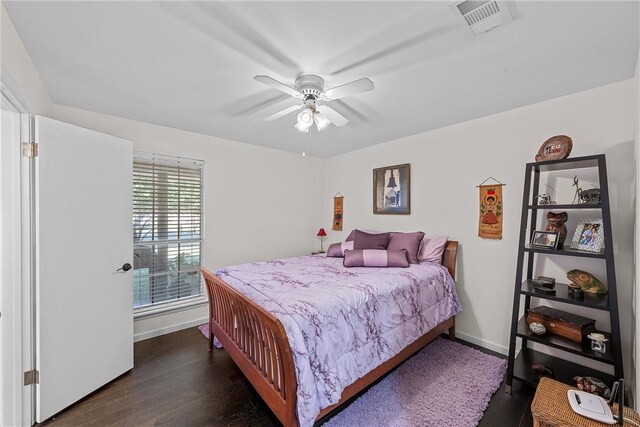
(344, 322)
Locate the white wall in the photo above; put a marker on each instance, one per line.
(448, 163)
(260, 203)
(19, 74)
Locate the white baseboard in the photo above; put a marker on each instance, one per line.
(197, 322)
(169, 329)
(483, 343)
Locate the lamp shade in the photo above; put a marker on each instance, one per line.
(321, 121)
(321, 233)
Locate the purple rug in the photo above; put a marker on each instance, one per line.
(445, 385)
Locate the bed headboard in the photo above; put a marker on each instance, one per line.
(449, 257)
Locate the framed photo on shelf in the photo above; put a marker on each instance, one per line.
(544, 239)
(589, 235)
(392, 190)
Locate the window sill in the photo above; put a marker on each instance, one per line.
(169, 307)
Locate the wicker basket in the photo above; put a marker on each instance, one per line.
(550, 408)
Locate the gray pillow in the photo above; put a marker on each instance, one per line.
(375, 258)
(408, 241)
(362, 240)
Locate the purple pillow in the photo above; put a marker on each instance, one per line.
(432, 248)
(408, 241)
(375, 258)
(362, 240)
(337, 249)
(350, 236)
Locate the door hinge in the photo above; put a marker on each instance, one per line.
(30, 149)
(32, 377)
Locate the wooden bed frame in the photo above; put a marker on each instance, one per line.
(256, 341)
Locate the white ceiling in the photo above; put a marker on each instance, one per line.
(190, 65)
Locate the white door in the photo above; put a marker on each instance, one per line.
(83, 234)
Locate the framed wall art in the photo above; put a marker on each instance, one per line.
(392, 190)
(589, 235)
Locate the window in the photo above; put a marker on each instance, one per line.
(167, 229)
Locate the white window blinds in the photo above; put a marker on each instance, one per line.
(167, 229)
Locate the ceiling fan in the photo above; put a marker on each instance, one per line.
(310, 89)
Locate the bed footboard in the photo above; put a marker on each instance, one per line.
(257, 343)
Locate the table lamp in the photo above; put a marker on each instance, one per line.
(321, 234)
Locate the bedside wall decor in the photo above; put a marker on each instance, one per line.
(491, 209)
(589, 235)
(392, 190)
(338, 211)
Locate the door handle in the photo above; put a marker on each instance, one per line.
(125, 267)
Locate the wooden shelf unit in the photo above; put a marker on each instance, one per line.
(519, 368)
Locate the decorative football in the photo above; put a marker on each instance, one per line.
(537, 328)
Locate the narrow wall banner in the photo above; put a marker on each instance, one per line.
(490, 223)
(338, 200)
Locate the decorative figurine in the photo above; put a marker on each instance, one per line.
(542, 370)
(555, 222)
(545, 199)
(575, 292)
(593, 385)
(555, 148)
(587, 282)
(537, 328)
(598, 342)
(591, 195)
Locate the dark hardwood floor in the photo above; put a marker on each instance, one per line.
(177, 382)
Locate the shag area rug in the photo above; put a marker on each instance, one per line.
(446, 384)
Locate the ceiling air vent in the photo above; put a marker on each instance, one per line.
(482, 16)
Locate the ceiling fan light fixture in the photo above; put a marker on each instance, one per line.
(305, 120)
(302, 127)
(321, 121)
(306, 117)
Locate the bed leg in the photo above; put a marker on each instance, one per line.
(452, 330)
(210, 337)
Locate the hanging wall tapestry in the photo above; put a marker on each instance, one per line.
(490, 223)
(337, 211)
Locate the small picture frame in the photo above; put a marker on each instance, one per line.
(589, 235)
(545, 239)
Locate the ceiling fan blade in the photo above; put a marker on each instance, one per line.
(331, 114)
(278, 85)
(348, 89)
(282, 113)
